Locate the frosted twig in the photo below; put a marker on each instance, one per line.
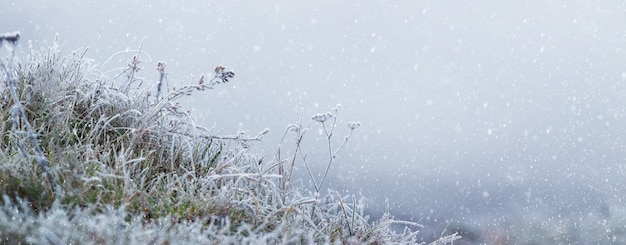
(221, 76)
(329, 134)
(449, 239)
(322, 118)
(259, 136)
(161, 69)
(300, 132)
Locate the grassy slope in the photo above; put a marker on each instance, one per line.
(128, 170)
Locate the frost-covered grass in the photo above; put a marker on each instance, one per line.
(90, 158)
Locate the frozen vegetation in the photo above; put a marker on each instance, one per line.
(86, 158)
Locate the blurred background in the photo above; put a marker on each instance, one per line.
(493, 119)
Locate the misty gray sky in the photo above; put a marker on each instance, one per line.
(465, 105)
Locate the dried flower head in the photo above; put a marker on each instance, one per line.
(353, 125)
(219, 69)
(227, 75)
(322, 117)
(223, 74)
(161, 66)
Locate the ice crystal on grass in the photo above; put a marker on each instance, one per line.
(133, 170)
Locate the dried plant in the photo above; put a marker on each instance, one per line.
(130, 168)
(18, 114)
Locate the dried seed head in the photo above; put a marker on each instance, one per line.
(227, 75)
(161, 66)
(353, 125)
(219, 69)
(322, 117)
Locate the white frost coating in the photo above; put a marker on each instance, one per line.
(353, 125)
(322, 117)
(132, 170)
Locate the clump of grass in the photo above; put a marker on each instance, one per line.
(125, 167)
(20, 124)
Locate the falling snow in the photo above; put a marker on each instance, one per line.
(494, 116)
